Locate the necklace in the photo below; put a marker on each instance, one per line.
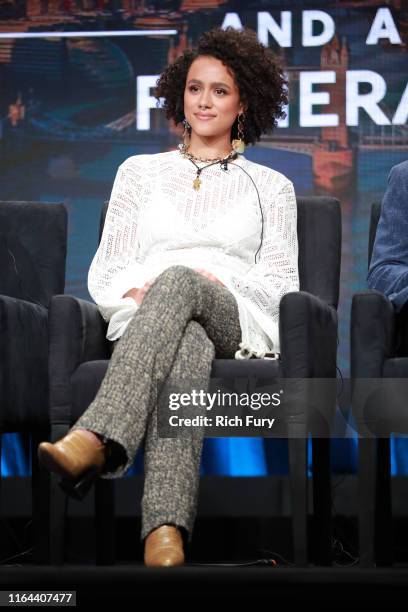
(222, 160)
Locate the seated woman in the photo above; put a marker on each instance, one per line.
(198, 248)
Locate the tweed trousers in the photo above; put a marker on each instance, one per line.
(183, 323)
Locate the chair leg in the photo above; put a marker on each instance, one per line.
(322, 499)
(383, 517)
(40, 494)
(58, 505)
(105, 521)
(298, 489)
(367, 460)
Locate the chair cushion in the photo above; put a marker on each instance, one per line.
(88, 377)
(396, 368)
(231, 368)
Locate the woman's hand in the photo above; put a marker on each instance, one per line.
(138, 294)
(209, 276)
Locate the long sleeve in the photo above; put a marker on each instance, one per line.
(388, 271)
(276, 270)
(115, 269)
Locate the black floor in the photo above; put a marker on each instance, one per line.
(222, 544)
(134, 584)
(215, 540)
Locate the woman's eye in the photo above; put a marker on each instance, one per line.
(194, 88)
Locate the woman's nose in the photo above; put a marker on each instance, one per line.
(205, 99)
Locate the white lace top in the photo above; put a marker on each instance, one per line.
(156, 219)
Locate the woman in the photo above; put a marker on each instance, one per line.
(198, 248)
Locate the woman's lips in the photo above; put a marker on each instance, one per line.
(205, 117)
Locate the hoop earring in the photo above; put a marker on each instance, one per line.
(183, 146)
(238, 144)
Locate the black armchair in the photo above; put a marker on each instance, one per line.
(33, 245)
(379, 351)
(79, 354)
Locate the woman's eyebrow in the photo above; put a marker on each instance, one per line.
(216, 83)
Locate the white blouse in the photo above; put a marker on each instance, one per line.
(156, 219)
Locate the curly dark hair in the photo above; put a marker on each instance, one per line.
(257, 71)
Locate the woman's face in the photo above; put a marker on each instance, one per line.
(211, 90)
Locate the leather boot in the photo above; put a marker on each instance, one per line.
(164, 547)
(73, 455)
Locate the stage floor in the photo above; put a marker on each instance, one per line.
(131, 583)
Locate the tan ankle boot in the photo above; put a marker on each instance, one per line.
(164, 547)
(73, 455)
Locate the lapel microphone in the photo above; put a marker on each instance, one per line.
(224, 163)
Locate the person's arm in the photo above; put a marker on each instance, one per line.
(276, 271)
(388, 270)
(115, 268)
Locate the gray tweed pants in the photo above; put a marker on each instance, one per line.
(184, 321)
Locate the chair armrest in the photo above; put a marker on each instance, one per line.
(77, 333)
(24, 364)
(308, 336)
(373, 340)
(373, 333)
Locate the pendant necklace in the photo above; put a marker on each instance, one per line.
(219, 160)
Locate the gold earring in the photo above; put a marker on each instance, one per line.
(238, 144)
(186, 136)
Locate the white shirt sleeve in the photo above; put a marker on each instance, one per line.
(276, 271)
(115, 269)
